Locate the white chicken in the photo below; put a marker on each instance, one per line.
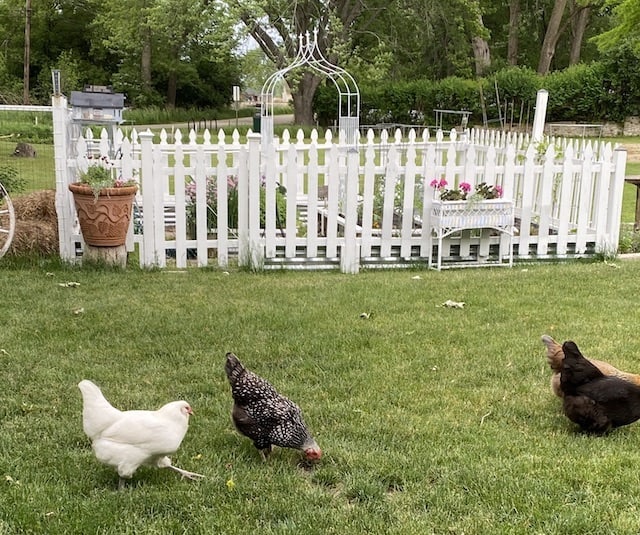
(127, 440)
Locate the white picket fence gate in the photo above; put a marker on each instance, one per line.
(350, 205)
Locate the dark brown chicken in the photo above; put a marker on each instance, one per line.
(596, 402)
(555, 356)
(265, 416)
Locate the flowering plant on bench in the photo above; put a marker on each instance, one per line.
(463, 191)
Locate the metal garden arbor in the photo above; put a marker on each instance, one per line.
(309, 55)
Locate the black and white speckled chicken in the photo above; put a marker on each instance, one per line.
(265, 416)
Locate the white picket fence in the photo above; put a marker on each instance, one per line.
(353, 205)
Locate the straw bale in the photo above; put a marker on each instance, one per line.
(36, 228)
(34, 237)
(39, 205)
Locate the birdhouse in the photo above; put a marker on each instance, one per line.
(97, 104)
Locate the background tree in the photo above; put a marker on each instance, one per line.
(164, 46)
(57, 28)
(513, 41)
(626, 25)
(411, 38)
(256, 68)
(551, 36)
(184, 52)
(276, 24)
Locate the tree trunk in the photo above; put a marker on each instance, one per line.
(551, 37)
(145, 61)
(481, 52)
(579, 25)
(514, 23)
(27, 54)
(172, 89)
(303, 98)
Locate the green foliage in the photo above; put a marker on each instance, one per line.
(605, 90)
(10, 85)
(176, 52)
(626, 27)
(519, 83)
(579, 93)
(232, 204)
(11, 180)
(621, 79)
(97, 177)
(432, 420)
(457, 94)
(101, 174)
(629, 240)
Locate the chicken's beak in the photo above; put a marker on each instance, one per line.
(313, 454)
(190, 411)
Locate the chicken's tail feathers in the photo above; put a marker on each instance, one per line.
(554, 352)
(233, 367)
(570, 348)
(87, 387)
(97, 412)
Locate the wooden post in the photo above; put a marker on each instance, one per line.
(111, 256)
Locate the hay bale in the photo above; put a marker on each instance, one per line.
(36, 224)
(38, 205)
(34, 237)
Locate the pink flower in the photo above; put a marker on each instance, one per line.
(499, 190)
(465, 186)
(438, 184)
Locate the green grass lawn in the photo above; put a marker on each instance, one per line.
(432, 420)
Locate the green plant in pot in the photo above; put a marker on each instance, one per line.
(104, 202)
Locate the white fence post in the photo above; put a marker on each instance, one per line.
(256, 247)
(540, 115)
(616, 189)
(150, 255)
(64, 199)
(349, 254)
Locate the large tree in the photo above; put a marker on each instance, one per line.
(57, 29)
(168, 42)
(277, 24)
(381, 39)
(567, 17)
(551, 36)
(626, 27)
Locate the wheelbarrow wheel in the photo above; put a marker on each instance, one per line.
(7, 221)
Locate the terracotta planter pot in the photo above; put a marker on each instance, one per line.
(104, 221)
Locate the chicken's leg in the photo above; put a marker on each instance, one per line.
(185, 473)
(265, 452)
(165, 462)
